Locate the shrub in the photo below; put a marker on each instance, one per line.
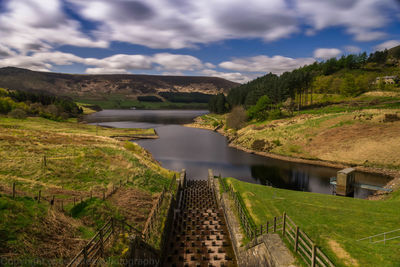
(277, 142)
(17, 114)
(237, 118)
(274, 114)
(259, 110)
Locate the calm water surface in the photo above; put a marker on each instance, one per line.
(197, 150)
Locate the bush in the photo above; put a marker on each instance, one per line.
(237, 118)
(274, 114)
(259, 110)
(17, 114)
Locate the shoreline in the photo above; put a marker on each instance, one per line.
(393, 184)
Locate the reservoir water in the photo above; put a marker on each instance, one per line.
(197, 150)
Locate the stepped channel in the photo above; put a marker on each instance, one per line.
(199, 234)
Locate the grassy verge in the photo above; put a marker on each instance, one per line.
(70, 160)
(334, 223)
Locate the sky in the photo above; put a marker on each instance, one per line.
(238, 40)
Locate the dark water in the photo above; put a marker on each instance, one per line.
(197, 150)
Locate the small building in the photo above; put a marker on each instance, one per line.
(387, 79)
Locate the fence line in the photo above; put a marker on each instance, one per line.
(284, 225)
(152, 220)
(395, 236)
(93, 251)
(59, 202)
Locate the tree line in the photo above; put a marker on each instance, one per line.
(333, 76)
(20, 104)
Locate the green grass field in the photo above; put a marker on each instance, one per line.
(331, 219)
(80, 159)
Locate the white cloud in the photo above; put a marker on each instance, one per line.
(177, 62)
(36, 25)
(363, 19)
(232, 76)
(326, 53)
(40, 61)
(105, 71)
(120, 62)
(265, 64)
(387, 45)
(179, 23)
(352, 49)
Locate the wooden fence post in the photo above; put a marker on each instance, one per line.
(104, 194)
(313, 255)
(39, 195)
(274, 224)
(52, 200)
(85, 256)
(13, 190)
(267, 227)
(261, 229)
(120, 183)
(296, 240)
(101, 243)
(284, 224)
(44, 161)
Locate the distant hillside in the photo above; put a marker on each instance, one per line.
(349, 75)
(102, 87)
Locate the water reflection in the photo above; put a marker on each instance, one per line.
(197, 150)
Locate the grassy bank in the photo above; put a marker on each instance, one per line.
(355, 132)
(70, 160)
(334, 223)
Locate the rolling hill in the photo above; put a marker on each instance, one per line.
(106, 87)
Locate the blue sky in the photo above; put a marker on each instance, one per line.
(233, 39)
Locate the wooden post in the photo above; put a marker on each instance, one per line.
(104, 194)
(101, 243)
(296, 239)
(284, 224)
(85, 256)
(274, 224)
(13, 192)
(261, 229)
(267, 227)
(120, 183)
(44, 161)
(313, 255)
(39, 195)
(52, 200)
